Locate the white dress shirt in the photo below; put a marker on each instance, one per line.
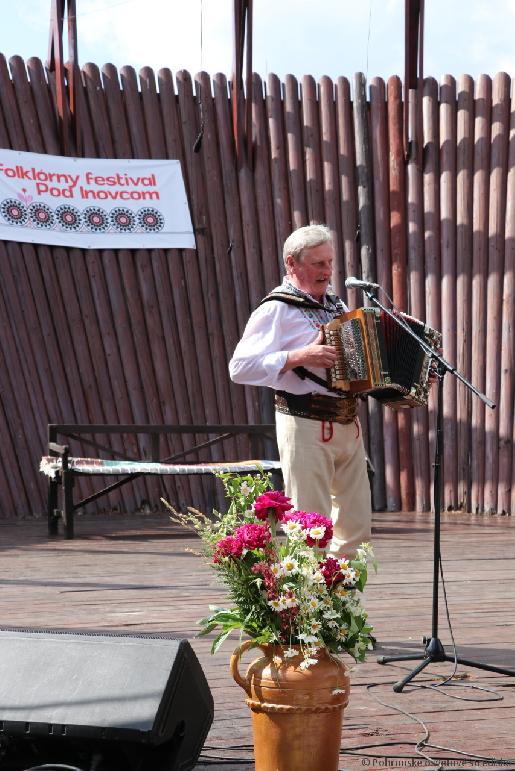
(274, 329)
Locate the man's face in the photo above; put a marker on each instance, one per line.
(312, 273)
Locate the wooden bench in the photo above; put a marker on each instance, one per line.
(62, 468)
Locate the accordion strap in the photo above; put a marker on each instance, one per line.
(304, 302)
(304, 373)
(291, 299)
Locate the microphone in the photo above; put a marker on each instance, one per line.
(355, 283)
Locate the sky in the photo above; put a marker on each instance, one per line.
(316, 37)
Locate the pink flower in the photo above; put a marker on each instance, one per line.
(253, 536)
(245, 537)
(228, 547)
(273, 502)
(310, 520)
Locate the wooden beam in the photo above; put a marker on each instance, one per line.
(67, 74)
(241, 102)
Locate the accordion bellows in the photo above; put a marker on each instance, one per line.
(377, 357)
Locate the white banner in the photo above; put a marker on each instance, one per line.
(93, 203)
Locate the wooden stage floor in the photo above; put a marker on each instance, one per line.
(137, 575)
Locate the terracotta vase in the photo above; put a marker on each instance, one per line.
(296, 713)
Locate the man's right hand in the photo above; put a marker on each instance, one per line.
(316, 354)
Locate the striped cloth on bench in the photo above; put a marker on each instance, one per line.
(51, 465)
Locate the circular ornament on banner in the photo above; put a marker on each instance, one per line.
(151, 220)
(68, 217)
(41, 215)
(122, 220)
(13, 211)
(95, 219)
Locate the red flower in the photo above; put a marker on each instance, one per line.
(253, 536)
(273, 502)
(228, 547)
(330, 569)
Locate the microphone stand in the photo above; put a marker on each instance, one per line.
(434, 649)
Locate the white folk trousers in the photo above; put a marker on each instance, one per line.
(325, 470)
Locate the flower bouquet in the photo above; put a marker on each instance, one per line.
(285, 589)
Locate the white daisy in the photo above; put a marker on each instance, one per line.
(317, 532)
(312, 603)
(290, 566)
(277, 604)
(291, 527)
(317, 577)
(349, 575)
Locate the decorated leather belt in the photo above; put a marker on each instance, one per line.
(317, 406)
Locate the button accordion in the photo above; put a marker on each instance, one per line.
(377, 357)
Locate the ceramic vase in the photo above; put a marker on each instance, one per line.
(297, 712)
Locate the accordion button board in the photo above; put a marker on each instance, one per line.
(378, 357)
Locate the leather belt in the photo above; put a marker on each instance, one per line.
(317, 406)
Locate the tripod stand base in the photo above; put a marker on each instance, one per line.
(434, 651)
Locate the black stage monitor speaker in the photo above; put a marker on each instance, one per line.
(100, 701)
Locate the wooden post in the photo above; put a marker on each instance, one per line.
(347, 173)
(416, 293)
(464, 328)
(496, 231)
(388, 471)
(292, 125)
(506, 406)
(278, 164)
(367, 260)
(241, 103)
(330, 190)
(398, 232)
(364, 180)
(67, 100)
(448, 257)
(312, 156)
(431, 190)
(481, 192)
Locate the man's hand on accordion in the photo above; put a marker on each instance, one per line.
(315, 355)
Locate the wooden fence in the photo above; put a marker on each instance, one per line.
(145, 336)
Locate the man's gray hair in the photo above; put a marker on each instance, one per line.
(305, 238)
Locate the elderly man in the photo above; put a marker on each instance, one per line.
(318, 432)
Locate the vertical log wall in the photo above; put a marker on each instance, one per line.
(145, 336)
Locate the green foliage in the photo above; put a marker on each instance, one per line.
(281, 589)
